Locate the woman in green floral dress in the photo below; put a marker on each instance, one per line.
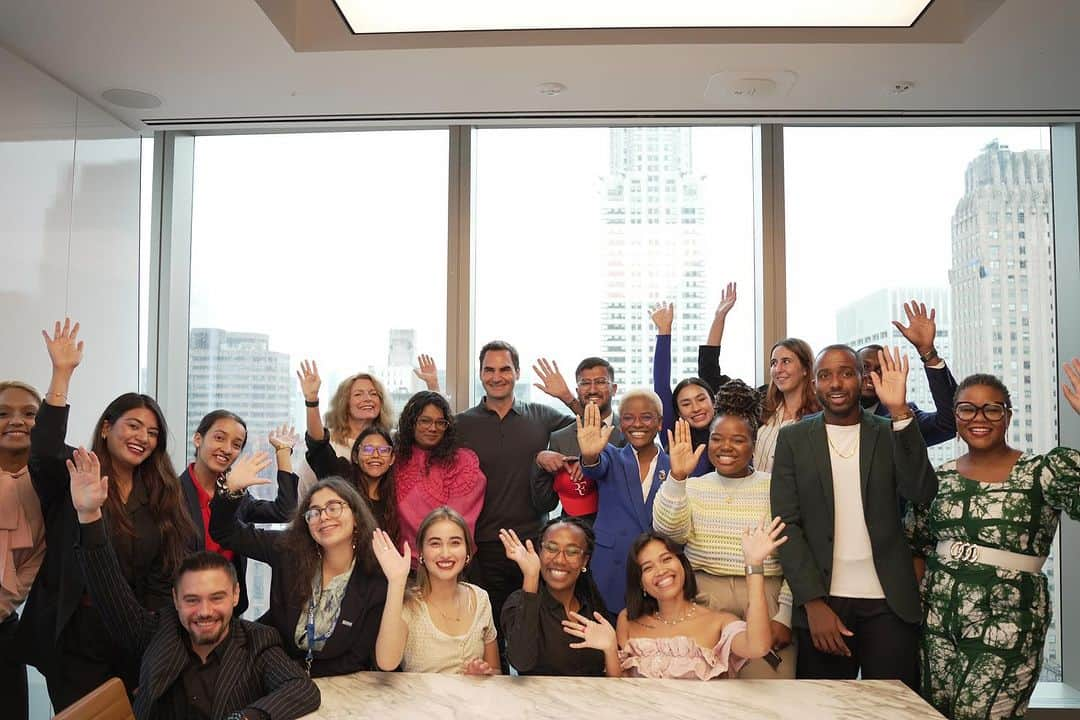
(984, 538)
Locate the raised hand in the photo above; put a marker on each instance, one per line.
(1071, 389)
(551, 380)
(663, 317)
(760, 542)
(310, 382)
(65, 349)
(728, 296)
(284, 437)
(597, 633)
(395, 565)
(592, 435)
(524, 555)
(478, 666)
(244, 472)
(891, 383)
(684, 458)
(921, 328)
(427, 371)
(89, 489)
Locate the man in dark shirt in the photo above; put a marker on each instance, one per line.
(197, 660)
(506, 434)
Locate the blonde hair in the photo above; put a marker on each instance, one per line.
(337, 417)
(19, 385)
(647, 395)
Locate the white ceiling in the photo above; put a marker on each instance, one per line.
(219, 59)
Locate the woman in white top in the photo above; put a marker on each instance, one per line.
(443, 624)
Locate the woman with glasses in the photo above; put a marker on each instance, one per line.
(432, 469)
(557, 583)
(984, 539)
(326, 591)
(627, 479)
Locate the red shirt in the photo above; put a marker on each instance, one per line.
(204, 506)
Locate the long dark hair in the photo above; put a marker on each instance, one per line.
(406, 436)
(683, 384)
(774, 398)
(157, 475)
(638, 603)
(585, 589)
(386, 486)
(304, 555)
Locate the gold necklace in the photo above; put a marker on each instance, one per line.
(683, 618)
(854, 446)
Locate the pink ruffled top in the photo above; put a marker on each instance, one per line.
(681, 658)
(423, 486)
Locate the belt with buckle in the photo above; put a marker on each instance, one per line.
(968, 552)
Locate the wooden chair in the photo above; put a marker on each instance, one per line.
(108, 701)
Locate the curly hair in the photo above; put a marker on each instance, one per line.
(406, 435)
(985, 379)
(337, 417)
(737, 399)
(304, 555)
(386, 486)
(774, 398)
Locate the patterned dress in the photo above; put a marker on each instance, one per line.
(983, 626)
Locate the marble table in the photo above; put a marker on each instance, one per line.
(435, 697)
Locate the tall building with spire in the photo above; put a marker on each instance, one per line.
(654, 215)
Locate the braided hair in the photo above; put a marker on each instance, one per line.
(737, 399)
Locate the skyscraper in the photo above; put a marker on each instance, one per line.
(655, 216)
(868, 321)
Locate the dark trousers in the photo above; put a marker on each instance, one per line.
(500, 576)
(13, 691)
(85, 658)
(884, 647)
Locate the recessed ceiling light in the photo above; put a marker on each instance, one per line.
(399, 16)
(134, 99)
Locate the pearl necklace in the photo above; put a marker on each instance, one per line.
(684, 617)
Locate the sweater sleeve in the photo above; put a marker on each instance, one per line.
(671, 511)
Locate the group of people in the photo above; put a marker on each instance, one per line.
(710, 529)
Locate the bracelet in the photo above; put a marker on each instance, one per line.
(755, 570)
(56, 395)
(312, 403)
(279, 448)
(224, 491)
(903, 416)
(930, 355)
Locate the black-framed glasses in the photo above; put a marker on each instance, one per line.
(332, 510)
(993, 412)
(428, 423)
(383, 450)
(570, 552)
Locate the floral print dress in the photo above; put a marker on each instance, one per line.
(984, 626)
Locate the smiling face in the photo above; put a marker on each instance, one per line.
(497, 374)
(662, 573)
(133, 437)
(731, 446)
(978, 432)
(785, 369)
(18, 413)
(838, 384)
(444, 550)
(327, 530)
(221, 445)
(871, 364)
(695, 405)
(374, 455)
(204, 600)
(365, 403)
(431, 426)
(594, 385)
(562, 555)
(639, 420)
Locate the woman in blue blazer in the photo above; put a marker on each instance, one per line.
(627, 479)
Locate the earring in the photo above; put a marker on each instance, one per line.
(584, 570)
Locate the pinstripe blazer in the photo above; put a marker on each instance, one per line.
(255, 671)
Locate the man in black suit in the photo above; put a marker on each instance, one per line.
(835, 481)
(595, 383)
(197, 660)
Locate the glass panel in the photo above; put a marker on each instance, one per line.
(960, 218)
(146, 201)
(579, 231)
(329, 246)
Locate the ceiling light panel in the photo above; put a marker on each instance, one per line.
(409, 16)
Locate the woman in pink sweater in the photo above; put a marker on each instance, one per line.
(431, 470)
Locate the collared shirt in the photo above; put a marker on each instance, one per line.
(193, 691)
(536, 643)
(650, 475)
(204, 508)
(507, 449)
(139, 552)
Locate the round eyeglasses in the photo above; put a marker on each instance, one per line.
(332, 510)
(993, 412)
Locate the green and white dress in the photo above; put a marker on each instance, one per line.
(983, 626)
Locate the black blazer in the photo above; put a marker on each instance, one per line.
(255, 671)
(251, 510)
(890, 462)
(351, 647)
(60, 586)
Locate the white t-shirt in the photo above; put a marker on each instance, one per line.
(853, 571)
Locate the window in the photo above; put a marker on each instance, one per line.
(547, 245)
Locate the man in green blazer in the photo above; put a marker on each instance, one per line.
(836, 477)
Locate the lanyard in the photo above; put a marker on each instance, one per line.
(310, 630)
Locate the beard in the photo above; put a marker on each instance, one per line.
(201, 637)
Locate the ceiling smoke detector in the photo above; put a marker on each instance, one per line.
(134, 99)
(551, 89)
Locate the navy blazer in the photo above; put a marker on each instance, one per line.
(251, 510)
(939, 426)
(623, 514)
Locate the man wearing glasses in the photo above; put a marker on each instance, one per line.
(557, 476)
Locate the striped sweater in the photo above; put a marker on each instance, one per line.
(708, 514)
